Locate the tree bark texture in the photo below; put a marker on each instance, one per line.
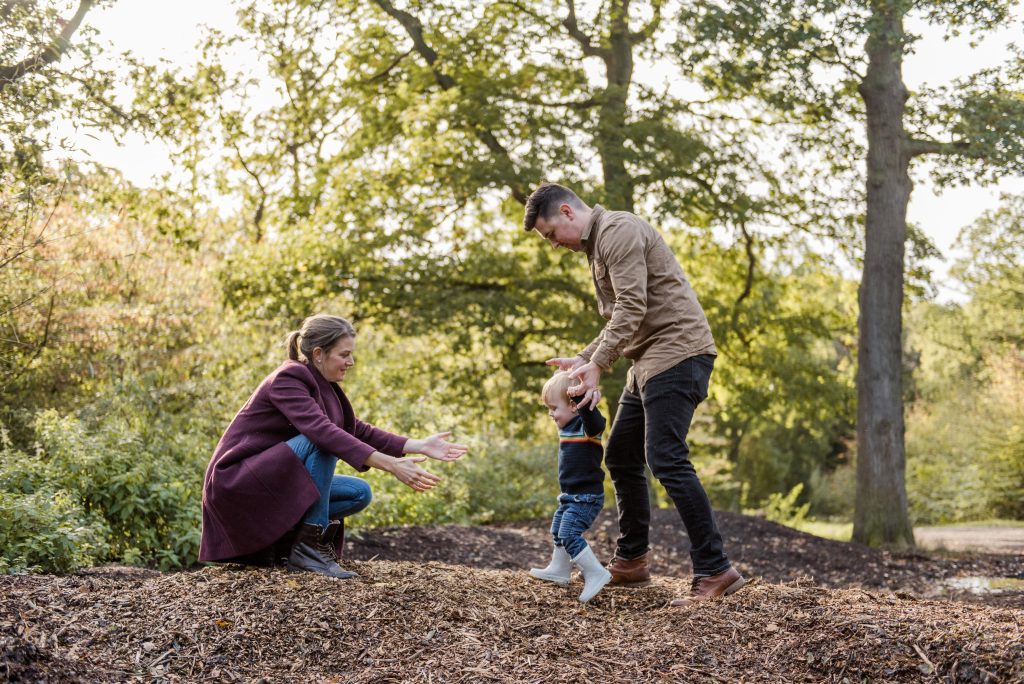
(880, 515)
(611, 130)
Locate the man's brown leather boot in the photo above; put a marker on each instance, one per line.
(711, 587)
(630, 573)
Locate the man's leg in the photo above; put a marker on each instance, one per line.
(669, 400)
(624, 456)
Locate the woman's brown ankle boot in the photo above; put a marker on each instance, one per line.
(313, 551)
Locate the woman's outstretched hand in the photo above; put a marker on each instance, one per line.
(411, 475)
(405, 470)
(437, 447)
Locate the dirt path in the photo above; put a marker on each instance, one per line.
(1002, 540)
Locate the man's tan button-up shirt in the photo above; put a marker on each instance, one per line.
(653, 314)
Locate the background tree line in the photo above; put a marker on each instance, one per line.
(373, 163)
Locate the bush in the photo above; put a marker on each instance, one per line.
(499, 481)
(965, 449)
(48, 530)
(832, 494)
(784, 509)
(100, 492)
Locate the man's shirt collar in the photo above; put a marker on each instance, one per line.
(595, 216)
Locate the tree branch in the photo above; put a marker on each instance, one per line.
(51, 53)
(569, 104)
(917, 147)
(571, 25)
(414, 27)
(382, 74)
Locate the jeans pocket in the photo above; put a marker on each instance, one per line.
(701, 378)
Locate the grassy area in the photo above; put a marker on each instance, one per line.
(993, 522)
(842, 531)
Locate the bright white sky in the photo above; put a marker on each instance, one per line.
(171, 30)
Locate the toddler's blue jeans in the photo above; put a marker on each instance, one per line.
(340, 495)
(575, 515)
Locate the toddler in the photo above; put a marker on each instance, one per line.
(581, 481)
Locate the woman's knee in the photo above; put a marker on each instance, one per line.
(364, 494)
(349, 495)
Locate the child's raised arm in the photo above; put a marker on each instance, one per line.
(593, 420)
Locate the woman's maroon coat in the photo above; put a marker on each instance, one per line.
(256, 489)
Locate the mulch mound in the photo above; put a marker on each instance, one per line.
(757, 547)
(433, 622)
(454, 604)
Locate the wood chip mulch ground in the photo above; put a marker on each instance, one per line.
(432, 621)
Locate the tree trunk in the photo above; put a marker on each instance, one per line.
(880, 516)
(611, 128)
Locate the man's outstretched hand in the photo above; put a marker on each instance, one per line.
(589, 375)
(566, 363)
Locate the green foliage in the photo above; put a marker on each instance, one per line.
(499, 481)
(964, 449)
(784, 509)
(46, 530)
(118, 494)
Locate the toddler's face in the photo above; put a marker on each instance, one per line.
(561, 411)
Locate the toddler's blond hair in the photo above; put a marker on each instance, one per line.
(556, 389)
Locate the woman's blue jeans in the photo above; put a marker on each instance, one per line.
(340, 495)
(574, 516)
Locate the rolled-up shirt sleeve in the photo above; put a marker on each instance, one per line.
(588, 352)
(624, 255)
(293, 398)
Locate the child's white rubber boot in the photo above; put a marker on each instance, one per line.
(558, 569)
(595, 576)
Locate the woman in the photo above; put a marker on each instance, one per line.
(274, 466)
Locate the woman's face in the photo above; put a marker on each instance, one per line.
(335, 361)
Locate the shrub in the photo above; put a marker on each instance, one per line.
(48, 530)
(500, 481)
(784, 509)
(97, 492)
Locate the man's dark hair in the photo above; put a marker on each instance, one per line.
(544, 203)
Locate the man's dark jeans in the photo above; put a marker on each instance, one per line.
(651, 427)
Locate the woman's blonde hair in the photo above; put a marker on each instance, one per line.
(320, 330)
(557, 388)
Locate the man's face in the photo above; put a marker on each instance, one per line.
(564, 229)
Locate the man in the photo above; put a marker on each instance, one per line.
(654, 319)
